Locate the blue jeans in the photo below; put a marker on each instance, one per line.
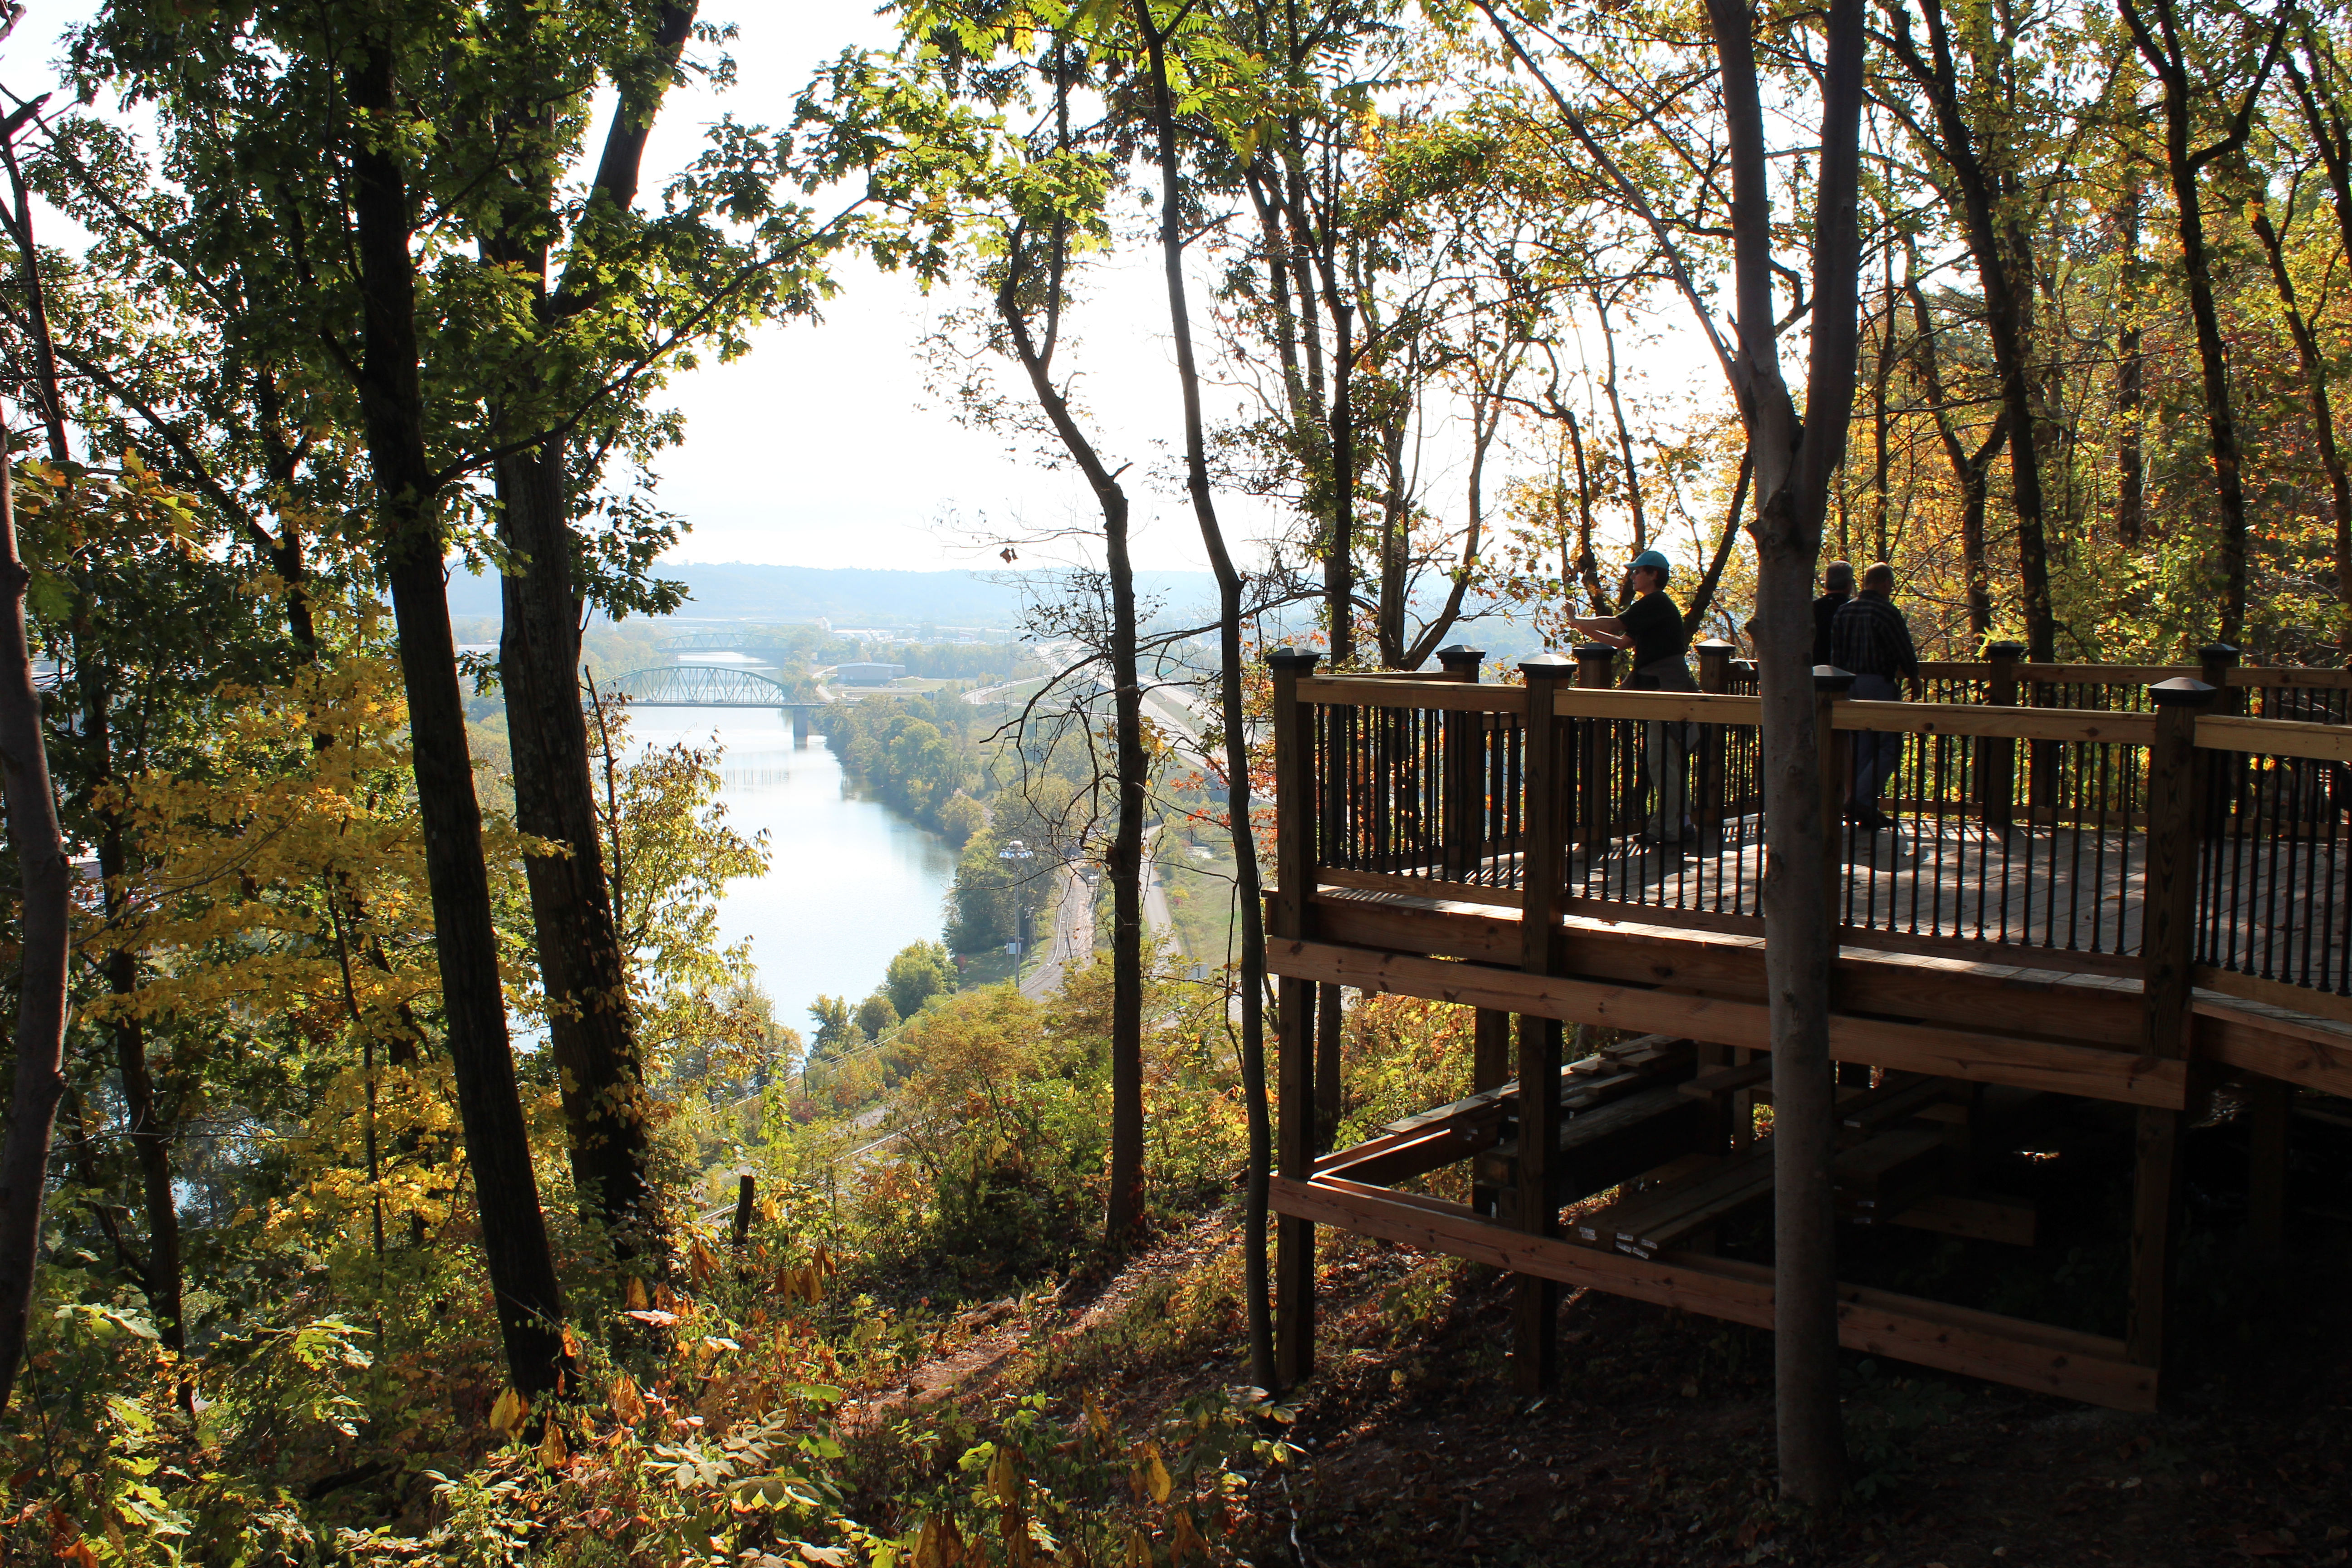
(1876, 755)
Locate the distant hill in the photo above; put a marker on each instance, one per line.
(851, 597)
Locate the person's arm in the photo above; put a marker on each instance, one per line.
(1610, 629)
(1910, 659)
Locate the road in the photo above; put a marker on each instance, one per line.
(1072, 939)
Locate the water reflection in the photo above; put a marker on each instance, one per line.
(848, 882)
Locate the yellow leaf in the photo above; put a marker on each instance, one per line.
(636, 1294)
(627, 1404)
(552, 1451)
(1096, 1418)
(509, 1412)
(571, 1342)
(813, 1284)
(1184, 1539)
(1139, 1549)
(1152, 1478)
(1003, 1479)
(700, 1261)
(939, 1545)
(824, 1262)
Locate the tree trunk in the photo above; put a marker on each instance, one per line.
(1339, 561)
(152, 1134)
(2165, 59)
(2322, 416)
(2008, 294)
(582, 970)
(41, 1033)
(530, 1303)
(1248, 892)
(2324, 116)
(2212, 357)
(2131, 461)
(1794, 474)
(1126, 862)
(1971, 470)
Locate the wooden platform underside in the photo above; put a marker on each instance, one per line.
(1901, 1328)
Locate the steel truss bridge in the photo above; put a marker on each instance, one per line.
(707, 686)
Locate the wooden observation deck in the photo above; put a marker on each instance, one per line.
(2127, 885)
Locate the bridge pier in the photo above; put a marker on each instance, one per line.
(800, 728)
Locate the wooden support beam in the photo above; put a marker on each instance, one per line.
(1925, 1334)
(2269, 1110)
(1968, 1055)
(1287, 916)
(1550, 797)
(1490, 1069)
(2309, 1054)
(1979, 1219)
(2168, 944)
(2303, 1051)
(1996, 756)
(1329, 1022)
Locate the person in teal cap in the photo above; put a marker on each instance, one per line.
(1651, 625)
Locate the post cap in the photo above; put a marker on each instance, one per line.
(2218, 653)
(2181, 688)
(1713, 645)
(2004, 650)
(1830, 678)
(1292, 660)
(1546, 666)
(1461, 656)
(1595, 650)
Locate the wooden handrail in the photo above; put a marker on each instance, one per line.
(2275, 738)
(2010, 723)
(2269, 737)
(2291, 675)
(1691, 707)
(1375, 691)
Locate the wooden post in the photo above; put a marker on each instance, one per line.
(746, 1183)
(1490, 1068)
(2227, 778)
(1535, 1348)
(1596, 808)
(1830, 685)
(1707, 775)
(1714, 664)
(2216, 660)
(1465, 837)
(1997, 758)
(1461, 795)
(2168, 955)
(2270, 1110)
(1287, 918)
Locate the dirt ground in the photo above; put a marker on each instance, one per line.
(1657, 1445)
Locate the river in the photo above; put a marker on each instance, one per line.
(849, 882)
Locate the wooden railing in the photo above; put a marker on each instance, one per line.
(2025, 831)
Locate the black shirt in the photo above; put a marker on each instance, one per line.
(1655, 621)
(1825, 609)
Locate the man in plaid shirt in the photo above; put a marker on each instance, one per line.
(1870, 639)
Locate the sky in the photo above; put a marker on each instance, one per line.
(824, 446)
